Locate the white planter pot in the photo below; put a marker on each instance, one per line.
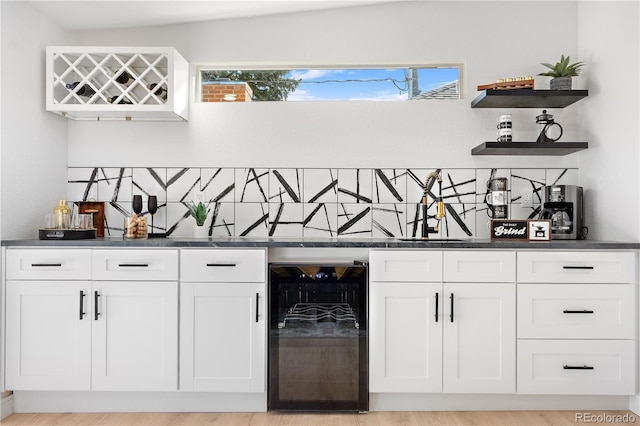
(200, 231)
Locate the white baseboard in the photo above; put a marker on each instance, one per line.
(634, 404)
(490, 402)
(6, 406)
(113, 402)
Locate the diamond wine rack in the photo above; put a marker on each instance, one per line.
(117, 83)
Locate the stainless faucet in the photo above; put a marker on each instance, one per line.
(426, 229)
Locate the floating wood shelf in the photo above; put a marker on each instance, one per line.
(528, 148)
(527, 98)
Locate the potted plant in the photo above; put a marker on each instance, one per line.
(199, 211)
(562, 72)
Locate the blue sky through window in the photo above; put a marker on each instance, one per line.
(365, 84)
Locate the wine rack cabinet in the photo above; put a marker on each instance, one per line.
(117, 83)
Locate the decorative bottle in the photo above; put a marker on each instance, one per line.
(62, 215)
(85, 90)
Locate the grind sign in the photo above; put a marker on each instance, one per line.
(521, 230)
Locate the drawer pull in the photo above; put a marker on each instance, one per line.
(133, 265)
(451, 307)
(584, 311)
(257, 305)
(46, 265)
(577, 367)
(96, 313)
(577, 267)
(228, 265)
(436, 307)
(82, 313)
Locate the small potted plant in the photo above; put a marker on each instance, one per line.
(562, 72)
(199, 211)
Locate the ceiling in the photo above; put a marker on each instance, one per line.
(105, 14)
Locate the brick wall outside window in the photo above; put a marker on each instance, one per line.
(215, 92)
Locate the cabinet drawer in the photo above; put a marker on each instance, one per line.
(135, 265)
(48, 264)
(405, 265)
(588, 367)
(598, 311)
(221, 265)
(480, 266)
(576, 267)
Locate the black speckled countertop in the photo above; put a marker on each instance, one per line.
(326, 242)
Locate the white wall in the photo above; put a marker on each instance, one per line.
(33, 142)
(354, 134)
(491, 39)
(609, 168)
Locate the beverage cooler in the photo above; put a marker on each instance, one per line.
(318, 337)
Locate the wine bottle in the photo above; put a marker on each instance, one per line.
(85, 90)
(124, 77)
(112, 99)
(159, 91)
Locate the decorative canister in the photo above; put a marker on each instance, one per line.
(135, 227)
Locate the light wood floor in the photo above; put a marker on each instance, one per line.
(379, 418)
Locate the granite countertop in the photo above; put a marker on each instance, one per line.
(178, 242)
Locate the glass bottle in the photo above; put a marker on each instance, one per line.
(62, 215)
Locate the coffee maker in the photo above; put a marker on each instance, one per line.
(563, 204)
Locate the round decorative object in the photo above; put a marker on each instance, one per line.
(560, 83)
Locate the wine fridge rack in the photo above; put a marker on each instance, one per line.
(130, 83)
(319, 312)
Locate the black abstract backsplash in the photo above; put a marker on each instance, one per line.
(309, 202)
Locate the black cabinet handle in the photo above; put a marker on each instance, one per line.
(257, 305)
(577, 267)
(82, 314)
(133, 265)
(50, 265)
(96, 313)
(584, 311)
(436, 307)
(229, 265)
(451, 307)
(577, 367)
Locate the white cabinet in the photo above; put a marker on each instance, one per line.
(479, 323)
(440, 336)
(576, 367)
(135, 319)
(479, 338)
(83, 334)
(135, 335)
(579, 267)
(48, 335)
(223, 320)
(577, 322)
(405, 337)
(108, 82)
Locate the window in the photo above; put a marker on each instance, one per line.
(336, 84)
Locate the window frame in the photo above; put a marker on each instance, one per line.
(226, 66)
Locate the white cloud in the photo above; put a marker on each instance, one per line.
(309, 74)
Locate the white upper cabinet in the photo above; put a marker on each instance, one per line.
(117, 83)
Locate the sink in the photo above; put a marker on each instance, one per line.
(430, 240)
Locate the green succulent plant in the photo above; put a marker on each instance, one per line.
(199, 212)
(563, 68)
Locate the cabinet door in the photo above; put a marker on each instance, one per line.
(222, 337)
(135, 335)
(479, 338)
(48, 340)
(405, 337)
